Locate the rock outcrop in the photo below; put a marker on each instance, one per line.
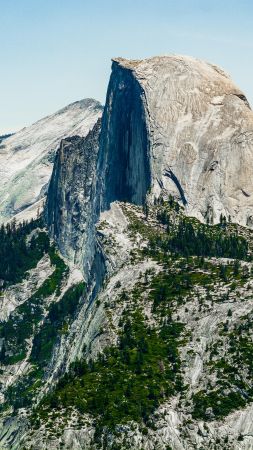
(178, 125)
(27, 157)
(211, 312)
(70, 208)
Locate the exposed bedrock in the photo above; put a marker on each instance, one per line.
(70, 209)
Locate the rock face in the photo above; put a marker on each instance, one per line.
(124, 160)
(26, 158)
(70, 209)
(178, 125)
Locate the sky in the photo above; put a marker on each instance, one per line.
(54, 52)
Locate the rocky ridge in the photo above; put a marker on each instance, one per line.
(70, 209)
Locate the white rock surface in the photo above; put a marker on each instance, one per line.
(26, 158)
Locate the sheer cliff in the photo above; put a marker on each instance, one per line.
(124, 159)
(71, 208)
(172, 125)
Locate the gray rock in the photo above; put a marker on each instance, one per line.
(70, 209)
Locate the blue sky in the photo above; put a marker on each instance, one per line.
(54, 52)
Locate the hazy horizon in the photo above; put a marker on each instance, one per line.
(56, 54)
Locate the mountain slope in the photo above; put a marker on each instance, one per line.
(26, 158)
(172, 326)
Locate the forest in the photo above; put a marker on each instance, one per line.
(18, 252)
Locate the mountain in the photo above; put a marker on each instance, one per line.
(26, 158)
(179, 125)
(126, 307)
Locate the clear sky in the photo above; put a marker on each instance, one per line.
(54, 52)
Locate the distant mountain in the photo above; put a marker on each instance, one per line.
(26, 158)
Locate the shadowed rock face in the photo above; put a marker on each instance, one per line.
(179, 126)
(124, 162)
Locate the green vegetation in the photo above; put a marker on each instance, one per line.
(24, 250)
(129, 380)
(190, 237)
(181, 244)
(21, 323)
(126, 382)
(19, 254)
(172, 285)
(221, 404)
(172, 233)
(234, 374)
(200, 242)
(59, 316)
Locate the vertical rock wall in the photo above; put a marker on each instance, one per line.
(124, 164)
(70, 209)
